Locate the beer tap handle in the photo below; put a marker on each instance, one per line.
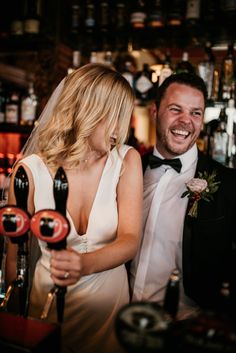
(21, 190)
(60, 192)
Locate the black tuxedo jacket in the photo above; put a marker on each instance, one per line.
(209, 241)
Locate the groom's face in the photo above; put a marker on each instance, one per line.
(179, 119)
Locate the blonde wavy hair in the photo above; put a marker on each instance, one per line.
(90, 94)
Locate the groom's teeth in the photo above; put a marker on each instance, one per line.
(181, 132)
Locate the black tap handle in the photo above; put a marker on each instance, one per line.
(21, 188)
(60, 190)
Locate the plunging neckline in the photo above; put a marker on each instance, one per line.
(94, 200)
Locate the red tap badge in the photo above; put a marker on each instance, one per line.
(14, 221)
(50, 226)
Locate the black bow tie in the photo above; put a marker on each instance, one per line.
(156, 162)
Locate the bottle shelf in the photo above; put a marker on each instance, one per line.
(19, 129)
(25, 43)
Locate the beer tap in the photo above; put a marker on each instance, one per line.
(15, 223)
(53, 227)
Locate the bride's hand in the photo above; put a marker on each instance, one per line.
(65, 267)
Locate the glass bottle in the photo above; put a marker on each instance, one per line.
(206, 69)
(29, 106)
(155, 17)
(220, 138)
(32, 17)
(171, 299)
(228, 72)
(76, 61)
(184, 65)
(143, 85)
(12, 110)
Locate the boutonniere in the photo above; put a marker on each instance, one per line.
(200, 188)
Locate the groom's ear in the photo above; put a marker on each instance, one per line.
(153, 111)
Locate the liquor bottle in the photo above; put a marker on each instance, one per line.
(143, 85)
(206, 69)
(121, 19)
(192, 16)
(228, 72)
(121, 22)
(224, 306)
(104, 16)
(93, 57)
(32, 17)
(155, 17)
(138, 15)
(128, 73)
(2, 104)
(90, 26)
(184, 65)
(29, 107)
(108, 59)
(215, 93)
(12, 108)
(175, 13)
(76, 61)
(75, 17)
(90, 16)
(166, 70)
(228, 7)
(220, 139)
(171, 299)
(16, 26)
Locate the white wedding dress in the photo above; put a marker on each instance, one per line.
(92, 303)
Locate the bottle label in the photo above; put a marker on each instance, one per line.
(143, 84)
(137, 19)
(193, 9)
(28, 112)
(12, 113)
(129, 77)
(17, 27)
(31, 26)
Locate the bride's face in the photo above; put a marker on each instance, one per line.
(97, 140)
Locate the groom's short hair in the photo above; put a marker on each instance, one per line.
(184, 78)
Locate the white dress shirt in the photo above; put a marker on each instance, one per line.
(163, 220)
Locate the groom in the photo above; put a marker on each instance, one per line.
(202, 245)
